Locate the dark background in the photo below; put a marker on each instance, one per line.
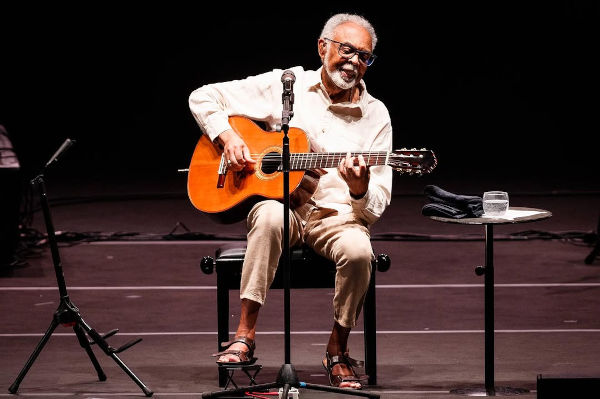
(494, 88)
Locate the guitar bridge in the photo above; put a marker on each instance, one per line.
(222, 172)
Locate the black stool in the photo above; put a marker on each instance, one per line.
(308, 270)
(247, 369)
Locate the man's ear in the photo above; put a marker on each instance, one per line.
(322, 48)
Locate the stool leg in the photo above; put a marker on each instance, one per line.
(222, 319)
(370, 329)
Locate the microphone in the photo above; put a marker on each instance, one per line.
(287, 98)
(64, 147)
(288, 78)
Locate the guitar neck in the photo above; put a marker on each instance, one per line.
(318, 160)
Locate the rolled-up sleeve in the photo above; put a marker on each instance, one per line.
(254, 97)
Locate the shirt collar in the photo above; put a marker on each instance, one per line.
(358, 109)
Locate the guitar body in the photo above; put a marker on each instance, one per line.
(241, 190)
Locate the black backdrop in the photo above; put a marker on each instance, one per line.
(508, 88)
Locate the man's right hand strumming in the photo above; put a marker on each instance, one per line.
(237, 153)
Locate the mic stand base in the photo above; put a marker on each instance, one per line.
(286, 379)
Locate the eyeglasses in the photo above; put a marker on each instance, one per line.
(347, 51)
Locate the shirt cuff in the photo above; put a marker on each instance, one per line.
(215, 125)
(360, 200)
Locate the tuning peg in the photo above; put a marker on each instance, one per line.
(413, 149)
(423, 149)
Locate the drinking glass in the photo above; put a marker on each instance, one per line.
(495, 203)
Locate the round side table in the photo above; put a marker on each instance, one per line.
(513, 215)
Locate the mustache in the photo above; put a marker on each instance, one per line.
(349, 67)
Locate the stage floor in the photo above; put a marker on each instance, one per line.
(430, 304)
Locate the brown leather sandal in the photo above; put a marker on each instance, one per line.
(336, 379)
(246, 357)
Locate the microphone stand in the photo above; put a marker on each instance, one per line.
(67, 313)
(287, 377)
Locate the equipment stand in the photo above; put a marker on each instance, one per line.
(287, 377)
(67, 313)
(596, 250)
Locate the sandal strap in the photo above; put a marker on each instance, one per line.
(243, 339)
(238, 353)
(337, 359)
(246, 354)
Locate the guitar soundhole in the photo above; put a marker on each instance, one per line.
(271, 163)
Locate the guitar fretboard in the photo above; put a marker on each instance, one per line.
(318, 160)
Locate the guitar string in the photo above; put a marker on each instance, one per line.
(275, 158)
(320, 158)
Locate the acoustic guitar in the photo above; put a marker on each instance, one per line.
(227, 196)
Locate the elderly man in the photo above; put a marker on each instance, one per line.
(332, 106)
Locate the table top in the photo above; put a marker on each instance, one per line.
(513, 215)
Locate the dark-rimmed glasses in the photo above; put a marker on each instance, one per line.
(347, 51)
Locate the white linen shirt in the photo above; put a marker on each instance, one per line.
(341, 127)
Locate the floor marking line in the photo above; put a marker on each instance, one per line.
(211, 287)
(173, 333)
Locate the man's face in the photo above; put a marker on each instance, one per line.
(345, 73)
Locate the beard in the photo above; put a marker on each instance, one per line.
(343, 76)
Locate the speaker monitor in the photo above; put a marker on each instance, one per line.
(555, 386)
(10, 197)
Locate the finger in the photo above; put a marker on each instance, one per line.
(362, 166)
(349, 160)
(230, 156)
(232, 161)
(247, 156)
(239, 157)
(361, 162)
(342, 166)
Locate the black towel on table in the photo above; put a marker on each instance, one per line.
(450, 205)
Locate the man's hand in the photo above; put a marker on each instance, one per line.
(237, 153)
(355, 173)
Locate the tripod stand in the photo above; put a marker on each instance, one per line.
(67, 313)
(287, 377)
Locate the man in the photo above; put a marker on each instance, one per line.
(332, 106)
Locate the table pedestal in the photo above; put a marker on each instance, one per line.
(488, 272)
(490, 389)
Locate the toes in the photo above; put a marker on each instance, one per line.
(351, 385)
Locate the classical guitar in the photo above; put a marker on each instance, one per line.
(217, 191)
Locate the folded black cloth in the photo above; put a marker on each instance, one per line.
(450, 205)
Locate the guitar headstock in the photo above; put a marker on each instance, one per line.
(412, 161)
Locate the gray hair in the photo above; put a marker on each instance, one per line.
(339, 19)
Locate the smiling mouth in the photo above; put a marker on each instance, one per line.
(348, 74)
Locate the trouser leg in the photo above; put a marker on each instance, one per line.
(265, 245)
(346, 241)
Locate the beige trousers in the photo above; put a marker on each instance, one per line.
(341, 238)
